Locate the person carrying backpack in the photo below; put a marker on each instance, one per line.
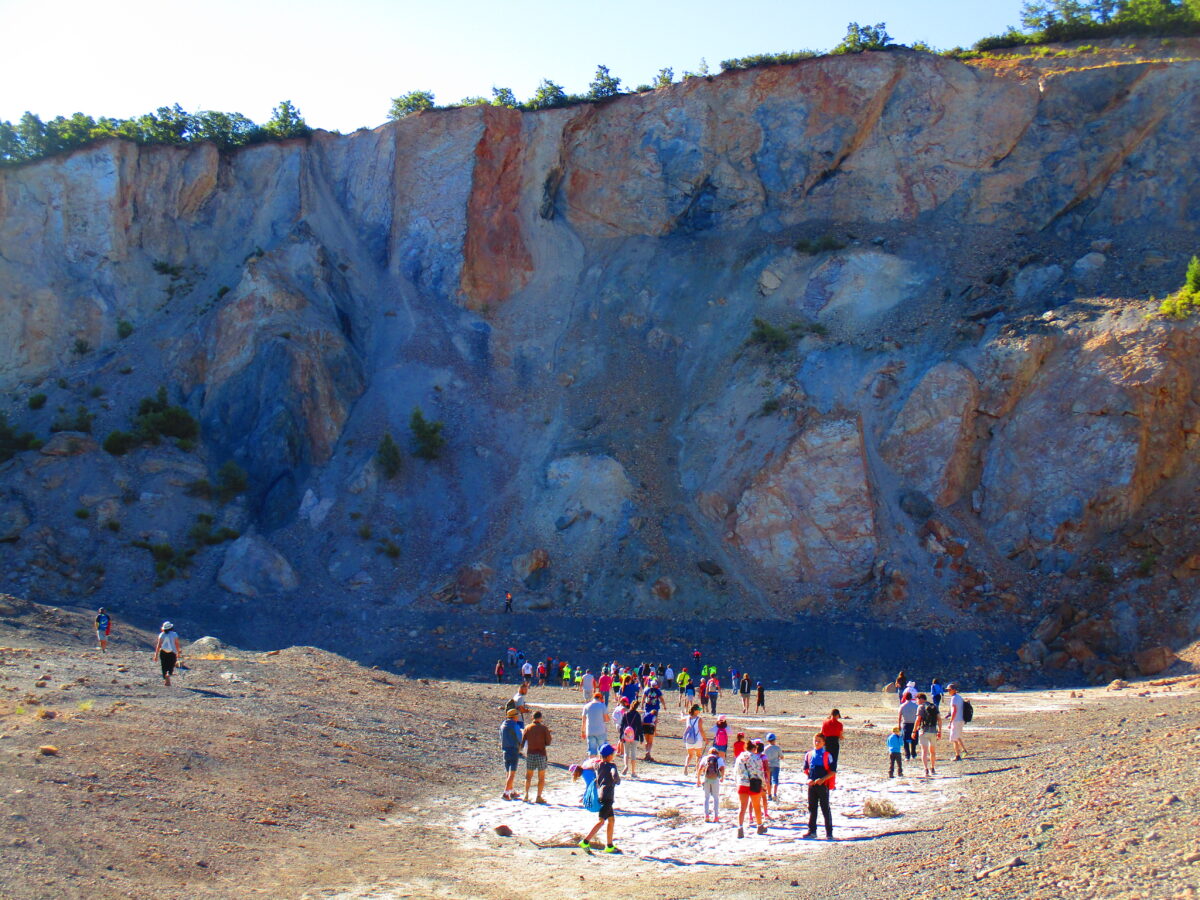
(103, 629)
(721, 737)
(607, 779)
(820, 769)
(714, 692)
(748, 768)
(510, 746)
(694, 737)
(929, 723)
(167, 651)
(631, 736)
(709, 775)
(960, 713)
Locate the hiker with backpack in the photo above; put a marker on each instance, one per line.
(820, 769)
(510, 746)
(607, 779)
(631, 736)
(748, 768)
(714, 691)
(694, 737)
(709, 775)
(929, 723)
(961, 712)
(721, 737)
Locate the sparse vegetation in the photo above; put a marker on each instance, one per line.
(1186, 300)
(364, 531)
(231, 481)
(202, 533)
(826, 243)
(877, 808)
(157, 418)
(427, 436)
(124, 328)
(1146, 565)
(389, 548)
(775, 339)
(757, 60)
(118, 442)
(770, 406)
(81, 347)
(82, 513)
(37, 401)
(113, 525)
(80, 421)
(96, 392)
(388, 456)
(864, 37)
(125, 370)
(168, 563)
(201, 487)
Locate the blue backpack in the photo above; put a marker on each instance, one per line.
(591, 798)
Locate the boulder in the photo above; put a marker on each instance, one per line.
(207, 644)
(1088, 265)
(69, 443)
(1032, 652)
(470, 586)
(253, 568)
(14, 519)
(710, 567)
(809, 513)
(527, 563)
(1035, 282)
(929, 443)
(1153, 660)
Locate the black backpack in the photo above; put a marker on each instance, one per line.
(929, 716)
(968, 712)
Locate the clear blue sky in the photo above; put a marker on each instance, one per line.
(341, 62)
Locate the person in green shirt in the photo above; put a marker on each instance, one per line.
(566, 675)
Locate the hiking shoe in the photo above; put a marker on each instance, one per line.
(741, 833)
(585, 845)
(542, 800)
(809, 834)
(958, 758)
(762, 829)
(611, 849)
(933, 771)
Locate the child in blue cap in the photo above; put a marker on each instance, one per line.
(774, 756)
(607, 779)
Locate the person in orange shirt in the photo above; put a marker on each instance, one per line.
(831, 730)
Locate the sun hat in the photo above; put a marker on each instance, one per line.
(721, 719)
(167, 626)
(771, 736)
(512, 713)
(607, 750)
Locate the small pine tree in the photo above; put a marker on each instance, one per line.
(1191, 281)
(389, 457)
(427, 436)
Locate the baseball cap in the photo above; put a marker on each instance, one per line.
(771, 736)
(607, 750)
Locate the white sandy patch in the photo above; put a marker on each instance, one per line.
(687, 839)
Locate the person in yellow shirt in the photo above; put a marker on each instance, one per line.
(566, 675)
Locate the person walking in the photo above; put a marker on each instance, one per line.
(694, 738)
(607, 779)
(499, 672)
(760, 704)
(958, 706)
(593, 729)
(831, 730)
(744, 691)
(527, 672)
(535, 740)
(714, 692)
(936, 692)
(167, 652)
(709, 776)
(774, 756)
(541, 673)
(103, 629)
(510, 747)
(721, 737)
(508, 607)
(929, 721)
(901, 684)
(518, 702)
(604, 684)
(895, 745)
(819, 767)
(631, 736)
(907, 720)
(588, 684)
(748, 769)
(669, 675)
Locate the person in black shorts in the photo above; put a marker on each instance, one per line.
(607, 779)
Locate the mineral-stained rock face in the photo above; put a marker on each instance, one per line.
(929, 443)
(810, 514)
(869, 330)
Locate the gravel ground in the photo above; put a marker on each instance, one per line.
(300, 774)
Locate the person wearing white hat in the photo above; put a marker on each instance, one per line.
(167, 652)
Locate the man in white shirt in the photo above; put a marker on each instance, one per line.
(588, 684)
(956, 721)
(527, 671)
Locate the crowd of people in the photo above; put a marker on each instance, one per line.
(622, 714)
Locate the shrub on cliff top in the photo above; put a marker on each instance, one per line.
(412, 102)
(864, 37)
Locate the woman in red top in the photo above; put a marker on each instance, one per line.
(739, 744)
(831, 730)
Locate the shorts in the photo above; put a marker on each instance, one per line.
(956, 730)
(648, 729)
(775, 775)
(510, 760)
(927, 738)
(745, 789)
(535, 762)
(606, 811)
(101, 636)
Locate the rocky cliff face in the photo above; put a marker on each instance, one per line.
(866, 333)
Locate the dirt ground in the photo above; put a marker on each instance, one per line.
(297, 773)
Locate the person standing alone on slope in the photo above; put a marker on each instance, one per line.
(103, 629)
(167, 652)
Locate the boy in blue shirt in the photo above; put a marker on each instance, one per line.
(936, 691)
(895, 745)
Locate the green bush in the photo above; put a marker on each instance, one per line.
(81, 421)
(826, 243)
(758, 60)
(412, 102)
(118, 443)
(427, 436)
(201, 487)
(37, 401)
(864, 37)
(1186, 300)
(81, 347)
(187, 445)
(389, 549)
(82, 513)
(113, 525)
(364, 531)
(231, 481)
(124, 328)
(96, 392)
(157, 419)
(389, 457)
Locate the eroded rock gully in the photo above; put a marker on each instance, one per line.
(959, 411)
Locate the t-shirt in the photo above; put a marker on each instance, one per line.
(669, 674)
(895, 743)
(170, 642)
(738, 747)
(832, 728)
(607, 779)
(653, 697)
(773, 753)
(589, 682)
(630, 691)
(519, 705)
(593, 714)
(747, 765)
(527, 669)
(745, 688)
(650, 717)
(102, 621)
(714, 686)
(818, 763)
(713, 767)
(604, 684)
(956, 708)
(908, 711)
(536, 738)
